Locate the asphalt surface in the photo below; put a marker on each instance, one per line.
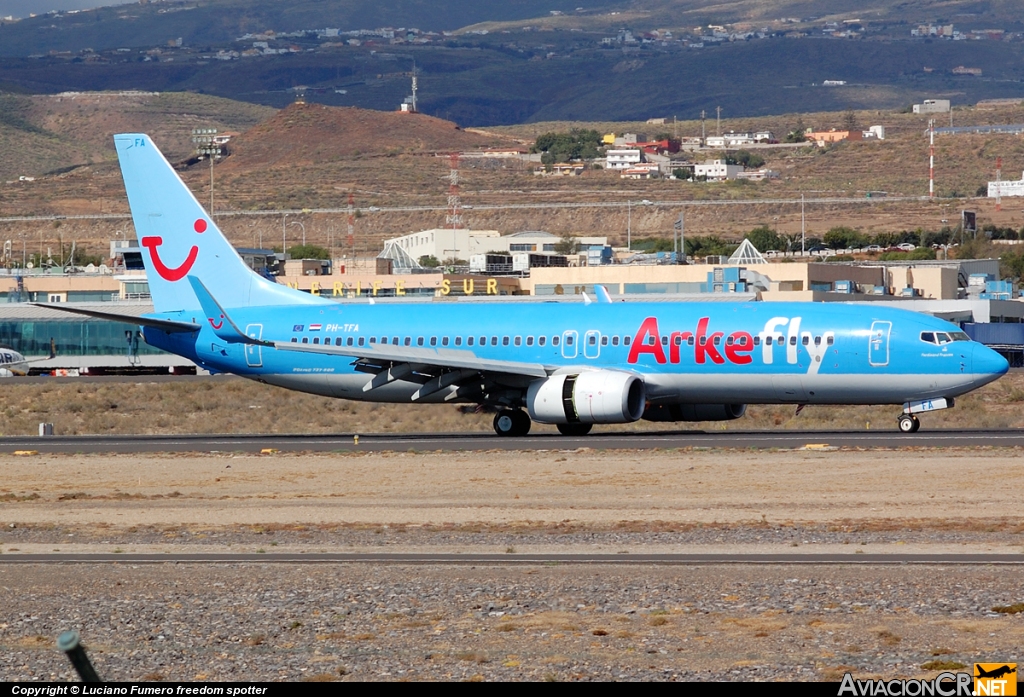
(521, 559)
(482, 441)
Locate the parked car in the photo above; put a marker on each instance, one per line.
(873, 248)
(906, 247)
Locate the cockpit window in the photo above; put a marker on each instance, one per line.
(941, 338)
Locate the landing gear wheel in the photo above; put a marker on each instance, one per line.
(908, 423)
(574, 429)
(511, 423)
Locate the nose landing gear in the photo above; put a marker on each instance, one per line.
(908, 423)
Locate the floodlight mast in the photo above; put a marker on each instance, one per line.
(208, 145)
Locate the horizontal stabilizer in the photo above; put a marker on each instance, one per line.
(156, 323)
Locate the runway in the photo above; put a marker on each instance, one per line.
(482, 441)
(528, 559)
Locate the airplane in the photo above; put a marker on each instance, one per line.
(13, 364)
(994, 673)
(570, 364)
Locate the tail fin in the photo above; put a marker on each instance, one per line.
(179, 239)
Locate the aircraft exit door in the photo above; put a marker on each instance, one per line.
(878, 348)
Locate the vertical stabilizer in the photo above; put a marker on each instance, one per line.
(179, 239)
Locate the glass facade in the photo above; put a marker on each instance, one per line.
(72, 337)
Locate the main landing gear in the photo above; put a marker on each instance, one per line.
(511, 422)
(908, 423)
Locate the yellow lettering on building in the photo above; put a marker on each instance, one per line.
(339, 289)
(359, 288)
(314, 289)
(446, 286)
(467, 286)
(293, 284)
(492, 286)
(376, 287)
(399, 287)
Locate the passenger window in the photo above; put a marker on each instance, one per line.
(504, 341)
(651, 341)
(541, 340)
(615, 340)
(518, 341)
(316, 340)
(294, 340)
(373, 340)
(806, 340)
(469, 341)
(483, 341)
(458, 341)
(689, 341)
(494, 340)
(792, 341)
(529, 341)
(767, 341)
(361, 341)
(717, 340)
(568, 340)
(444, 341)
(757, 341)
(350, 341)
(408, 341)
(338, 341)
(419, 341)
(305, 339)
(817, 341)
(664, 340)
(728, 342)
(604, 341)
(554, 341)
(394, 340)
(625, 341)
(433, 341)
(830, 340)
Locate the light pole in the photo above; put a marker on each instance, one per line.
(205, 140)
(296, 222)
(629, 224)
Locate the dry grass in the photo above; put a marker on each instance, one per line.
(237, 406)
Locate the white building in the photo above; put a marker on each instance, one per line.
(932, 106)
(735, 140)
(445, 244)
(622, 159)
(1010, 188)
(716, 170)
(874, 133)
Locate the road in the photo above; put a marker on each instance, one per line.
(347, 442)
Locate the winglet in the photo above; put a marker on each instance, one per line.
(602, 294)
(586, 298)
(220, 322)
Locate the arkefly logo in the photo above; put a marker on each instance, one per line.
(995, 679)
(176, 273)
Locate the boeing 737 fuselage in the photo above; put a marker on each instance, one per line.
(566, 363)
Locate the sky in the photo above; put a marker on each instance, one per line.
(23, 8)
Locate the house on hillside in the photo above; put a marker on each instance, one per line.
(823, 138)
(716, 170)
(623, 158)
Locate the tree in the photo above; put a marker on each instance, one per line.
(429, 261)
(765, 239)
(567, 245)
(798, 134)
(849, 121)
(745, 158)
(842, 237)
(308, 251)
(577, 144)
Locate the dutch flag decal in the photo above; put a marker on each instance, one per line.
(315, 327)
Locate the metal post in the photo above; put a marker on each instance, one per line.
(205, 140)
(803, 233)
(629, 225)
(70, 643)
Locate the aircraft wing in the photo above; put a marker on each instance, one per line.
(442, 358)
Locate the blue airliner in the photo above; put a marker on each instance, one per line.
(569, 364)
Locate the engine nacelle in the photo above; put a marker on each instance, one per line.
(695, 412)
(592, 397)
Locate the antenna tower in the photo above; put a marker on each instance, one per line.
(454, 217)
(414, 86)
(351, 223)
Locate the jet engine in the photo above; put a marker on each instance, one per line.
(695, 412)
(591, 397)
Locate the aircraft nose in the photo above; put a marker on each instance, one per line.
(987, 363)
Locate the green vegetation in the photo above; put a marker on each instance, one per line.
(429, 261)
(577, 144)
(709, 245)
(765, 239)
(845, 238)
(308, 251)
(745, 158)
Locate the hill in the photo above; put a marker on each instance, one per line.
(313, 134)
(43, 133)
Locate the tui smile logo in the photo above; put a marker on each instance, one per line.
(179, 272)
(216, 325)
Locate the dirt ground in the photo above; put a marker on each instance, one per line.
(120, 497)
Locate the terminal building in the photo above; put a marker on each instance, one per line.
(969, 293)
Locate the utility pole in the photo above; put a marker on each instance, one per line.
(719, 110)
(629, 224)
(803, 229)
(703, 135)
(931, 158)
